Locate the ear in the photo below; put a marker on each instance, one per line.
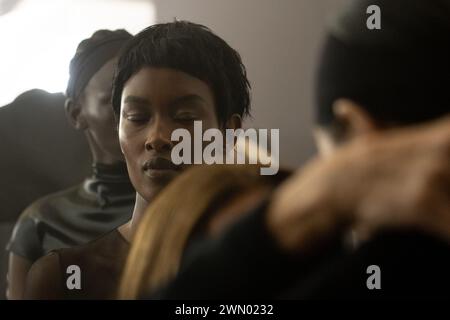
(354, 118)
(234, 122)
(74, 114)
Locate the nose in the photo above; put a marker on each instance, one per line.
(158, 138)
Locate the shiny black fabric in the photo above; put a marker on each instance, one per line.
(75, 216)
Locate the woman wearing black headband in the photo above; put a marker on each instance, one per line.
(106, 198)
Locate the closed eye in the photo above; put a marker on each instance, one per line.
(137, 118)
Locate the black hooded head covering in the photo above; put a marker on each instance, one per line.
(400, 74)
(91, 55)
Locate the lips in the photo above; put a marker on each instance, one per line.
(159, 164)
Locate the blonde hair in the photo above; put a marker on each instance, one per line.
(167, 225)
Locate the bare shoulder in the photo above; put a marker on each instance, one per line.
(44, 278)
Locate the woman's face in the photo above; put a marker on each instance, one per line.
(155, 102)
(97, 112)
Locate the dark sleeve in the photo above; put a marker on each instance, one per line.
(25, 240)
(44, 280)
(243, 263)
(412, 264)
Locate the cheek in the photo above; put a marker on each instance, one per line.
(100, 116)
(131, 155)
(131, 147)
(210, 120)
(107, 116)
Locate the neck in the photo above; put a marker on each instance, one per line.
(98, 154)
(129, 229)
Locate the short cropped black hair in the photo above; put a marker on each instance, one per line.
(195, 50)
(399, 73)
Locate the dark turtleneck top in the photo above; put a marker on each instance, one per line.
(75, 216)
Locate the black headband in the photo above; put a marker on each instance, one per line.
(84, 66)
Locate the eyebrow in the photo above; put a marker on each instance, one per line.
(187, 98)
(136, 100)
(174, 103)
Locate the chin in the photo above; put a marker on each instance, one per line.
(155, 188)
